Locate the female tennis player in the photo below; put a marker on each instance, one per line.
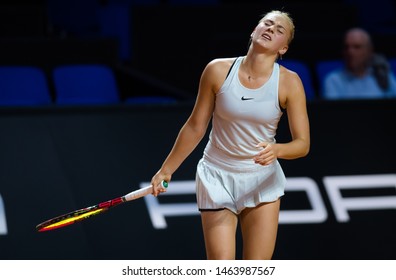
(239, 178)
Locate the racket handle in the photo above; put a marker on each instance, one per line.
(142, 192)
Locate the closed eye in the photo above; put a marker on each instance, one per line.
(279, 28)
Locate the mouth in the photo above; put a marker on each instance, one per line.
(266, 36)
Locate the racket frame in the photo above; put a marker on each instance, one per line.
(87, 212)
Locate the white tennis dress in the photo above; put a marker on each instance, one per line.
(227, 177)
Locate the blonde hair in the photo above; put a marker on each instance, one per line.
(288, 18)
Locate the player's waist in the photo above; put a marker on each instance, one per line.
(228, 161)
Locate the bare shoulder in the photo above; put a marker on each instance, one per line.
(290, 86)
(216, 71)
(288, 77)
(220, 64)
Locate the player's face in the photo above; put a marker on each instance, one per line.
(272, 32)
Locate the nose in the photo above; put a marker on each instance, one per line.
(270, 28)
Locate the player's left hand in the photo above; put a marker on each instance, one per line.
(267, 155)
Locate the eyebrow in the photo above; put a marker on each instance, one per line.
(272, 22)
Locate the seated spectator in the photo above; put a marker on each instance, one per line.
(365, 74)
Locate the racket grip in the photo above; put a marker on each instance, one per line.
(142, 192)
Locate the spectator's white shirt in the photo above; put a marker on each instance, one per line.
(340, 84)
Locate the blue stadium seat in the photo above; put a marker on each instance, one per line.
(324, 67)
(85, 84)
(23, 86)
(304, 72)
(392, 62)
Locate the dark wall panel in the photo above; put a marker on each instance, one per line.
(55, 160)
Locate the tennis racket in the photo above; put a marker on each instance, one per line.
(84, 213)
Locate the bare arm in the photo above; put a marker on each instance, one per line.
(292, 98)
(196, 125)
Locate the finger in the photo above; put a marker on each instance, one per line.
(156, 189)
(163, 185)
(160, 187)
(267, 146)
(261, 145)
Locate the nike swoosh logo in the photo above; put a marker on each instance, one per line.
(246, 98)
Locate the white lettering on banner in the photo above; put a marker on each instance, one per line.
(317, 214)
(158, 211)
(3, 221)
(335, 184)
